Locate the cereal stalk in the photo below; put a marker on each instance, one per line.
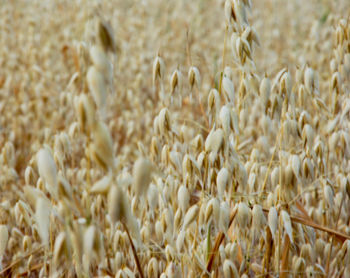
(133, 250)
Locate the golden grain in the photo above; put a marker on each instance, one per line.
(114, 165)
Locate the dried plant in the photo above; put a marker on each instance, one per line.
(175, 138)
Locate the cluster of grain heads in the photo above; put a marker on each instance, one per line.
(243, 35)
(138, 179)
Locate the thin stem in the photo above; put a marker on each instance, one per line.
(133, 251)
(332, 239)
(19, 260)
(284, 262)
(340, 236)
(220, 237)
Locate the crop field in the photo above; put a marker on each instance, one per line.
(174, 138)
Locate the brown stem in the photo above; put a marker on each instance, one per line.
(284, 262)
(35, 267)
(19, 260)
(340, 236)
(268, 243)
(133, 251)
(220, 237)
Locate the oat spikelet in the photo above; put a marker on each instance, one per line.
(97, 86)
(158, 69)
(329, 196)
(243, 216)
(42, 217)
(273, 221)
(194, 77)
(101, 61)
(214, 141)
(287, 224)
(183, 197)
(118, 207)
(258, 220)
(142, 173)
(89, 242)
(224, 217)
(103, 146)
(85, 112)
(47, 171)
(228, 89)
(106, 37)
(190, 216)
(230, 270)
(222, 181)
(60, 248)
(102, 185)
(176, 81)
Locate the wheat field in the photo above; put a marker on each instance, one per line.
(203, 138)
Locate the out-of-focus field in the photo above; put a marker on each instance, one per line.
(174, 138)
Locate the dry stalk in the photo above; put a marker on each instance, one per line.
(338, 235)
(284, 259)
(268, 252)
(219, 238)
(139, 268)
(3, 271)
